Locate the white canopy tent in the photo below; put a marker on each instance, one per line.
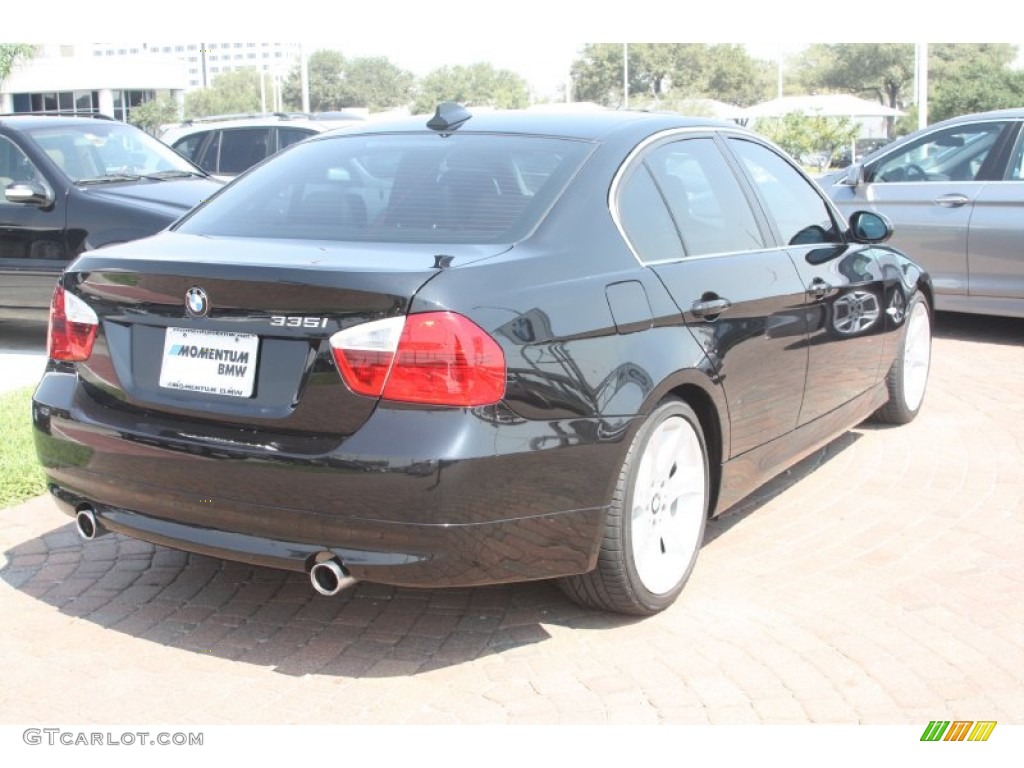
(828, 105)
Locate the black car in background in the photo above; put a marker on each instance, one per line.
(477, 349)
(69, 184)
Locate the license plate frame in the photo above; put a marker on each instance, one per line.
(209, 362)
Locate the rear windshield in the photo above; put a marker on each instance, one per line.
(424, 188)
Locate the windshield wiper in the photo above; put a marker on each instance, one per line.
(159, 175)
(107, 178)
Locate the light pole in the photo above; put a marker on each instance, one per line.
(625, 75)
(304, 71)
(780, 71)
(921, 70)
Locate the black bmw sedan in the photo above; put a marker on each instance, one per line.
(477, 349)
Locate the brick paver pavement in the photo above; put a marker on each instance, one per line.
(880, 581)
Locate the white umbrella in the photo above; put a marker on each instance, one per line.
(828, 105)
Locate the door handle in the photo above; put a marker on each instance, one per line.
(710, 307)
(954, 200)
(818, 288)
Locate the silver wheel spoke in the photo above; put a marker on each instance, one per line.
(668, 505)
(916, 356)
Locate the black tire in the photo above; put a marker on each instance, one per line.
(655, 523)
(908, 376)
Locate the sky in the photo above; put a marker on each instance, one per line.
(538, 39)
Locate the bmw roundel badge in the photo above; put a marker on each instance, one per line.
(196, 302)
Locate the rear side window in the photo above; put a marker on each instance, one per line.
(288, 136)
(707, 203)
(423, 188)
(242, 148)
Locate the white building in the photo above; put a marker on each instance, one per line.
(113, 78)
(206, 60)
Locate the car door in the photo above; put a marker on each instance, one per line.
(687, 217)
(996, 241)
(928, 188)
(846, 297)
(33, 246)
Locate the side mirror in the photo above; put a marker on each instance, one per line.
(854, 175)
(869, 227)
(29, 193)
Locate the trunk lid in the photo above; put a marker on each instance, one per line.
(251, 363)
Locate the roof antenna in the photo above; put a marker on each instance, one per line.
(449, 116)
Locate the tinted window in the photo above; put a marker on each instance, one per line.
(15, 167)
(242, 148)
(707, 203)
(952, 154)
(799, 212)
(190, 145)
(646, 220)
(288, 136)
(1016, 171)
(397, 188)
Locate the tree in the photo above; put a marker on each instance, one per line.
(377, 84)
(155, 113)
(962, 77)
(802, 135)
(10, 53)
(883, 71)
(972, 77)
(231, 93)
(339, 83)
(477, 85)
(661, 74)
(326, 83)
(597, 74)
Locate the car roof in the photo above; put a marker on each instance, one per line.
(29, 120)
(590, 124)
(315, 122)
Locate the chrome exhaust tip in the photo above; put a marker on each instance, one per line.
(330, 577)
(87, 525)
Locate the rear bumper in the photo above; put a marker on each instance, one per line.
(515, 550)
(428, 498)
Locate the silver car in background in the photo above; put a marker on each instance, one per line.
(954, 192)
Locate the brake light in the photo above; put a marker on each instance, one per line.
(437, 358)
(73, 326)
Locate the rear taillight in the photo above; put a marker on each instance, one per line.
(73, 327)
(438, 358)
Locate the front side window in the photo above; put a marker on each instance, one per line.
(798, 210)
(15, 168)
(410, 188)
(951, 154)
(1017, 163)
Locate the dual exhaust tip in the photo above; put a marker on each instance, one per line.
(328, 577)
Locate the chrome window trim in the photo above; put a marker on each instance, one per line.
(627, 164)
